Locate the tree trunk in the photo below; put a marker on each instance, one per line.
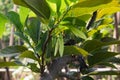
(54, 68)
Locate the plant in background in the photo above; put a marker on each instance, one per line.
(57, 37)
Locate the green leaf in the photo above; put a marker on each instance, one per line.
(15, 19)
(41, 42)
(107, 11)
(115, 60)
(50, 49)
(58, 4)
(63, 7)
(108, 64)
(100, 56)
(85, 17)
(91, 45)
(61, 45)
(105, 72)
(24, 12)
(70, 2)
(54, 5)
(68, 50)
(87, 6)
(28, 54)
(77, 32)
(74, 21)
(33, 67)
(3, 21)
(22, 36)
(58, 7)
(40, 7)
(59, 30)
(108, 39)
(56, 47)
(33, 29)
(20, 2)
(8, 64)
(12, 51)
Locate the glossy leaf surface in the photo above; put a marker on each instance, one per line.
(88, 6)
(12, 51)
(40, 7)
(15, 19)
(95, 44)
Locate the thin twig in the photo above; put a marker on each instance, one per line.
(7, 70)
(44, 50)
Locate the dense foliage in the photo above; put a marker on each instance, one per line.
(54, 29)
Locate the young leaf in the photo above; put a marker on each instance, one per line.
(12, 51)
(77, 32)
(3, 20)
(56, 47)
(61, 45)
(59, 30)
